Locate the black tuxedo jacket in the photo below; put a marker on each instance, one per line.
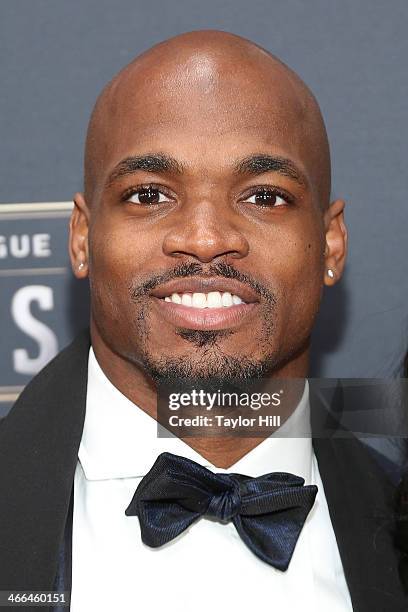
(39, 442)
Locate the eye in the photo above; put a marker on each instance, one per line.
(148, 194)
(267, 197)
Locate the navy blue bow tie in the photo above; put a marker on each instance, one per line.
(268, 512)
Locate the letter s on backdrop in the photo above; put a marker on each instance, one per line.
(38, 331)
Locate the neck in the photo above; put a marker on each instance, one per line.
(221, 451)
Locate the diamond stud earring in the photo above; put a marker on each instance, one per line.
(81, 266)
(330, 273)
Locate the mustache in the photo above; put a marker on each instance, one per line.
(186, 270)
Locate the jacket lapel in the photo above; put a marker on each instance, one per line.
(63, 578)
(360, 501)
(39, 442)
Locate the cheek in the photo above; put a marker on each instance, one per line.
(292, 254)
(294, 265)
(118, 260)
(305, 285)
(118, 255)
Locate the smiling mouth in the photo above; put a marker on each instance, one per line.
(204, 311)
(205, 302)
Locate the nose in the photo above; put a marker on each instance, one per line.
(205, 232)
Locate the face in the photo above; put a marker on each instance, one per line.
(207, 235)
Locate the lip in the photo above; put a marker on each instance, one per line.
(205, 285)
(204, 318)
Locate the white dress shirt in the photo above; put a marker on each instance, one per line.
(208, 567)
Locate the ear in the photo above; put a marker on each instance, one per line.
(78, 237)
(336, 242)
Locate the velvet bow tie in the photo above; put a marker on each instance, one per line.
(268, 512)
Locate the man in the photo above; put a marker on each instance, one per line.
(207, 234)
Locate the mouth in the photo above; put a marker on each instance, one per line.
(205, 303)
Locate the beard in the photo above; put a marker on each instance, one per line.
(212, 367)
(208, 364)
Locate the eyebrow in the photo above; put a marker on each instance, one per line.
(253, 165)
(155, 162)
(258, 164)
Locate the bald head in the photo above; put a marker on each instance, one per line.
(207, 85)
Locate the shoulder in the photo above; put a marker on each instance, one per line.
(62, 366)
(59, 369)
(361, 503)
(39, 443)
(62, 379)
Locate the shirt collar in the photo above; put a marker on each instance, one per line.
(119, 440)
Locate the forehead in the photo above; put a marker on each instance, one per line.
(206, 114)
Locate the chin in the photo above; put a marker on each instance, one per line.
(208, 366)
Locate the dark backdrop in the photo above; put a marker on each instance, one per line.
(55, 57)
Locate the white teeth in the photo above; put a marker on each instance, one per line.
(226, 299)
(186, 299)
(213, 299)
(199, 300)
(176, 298)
